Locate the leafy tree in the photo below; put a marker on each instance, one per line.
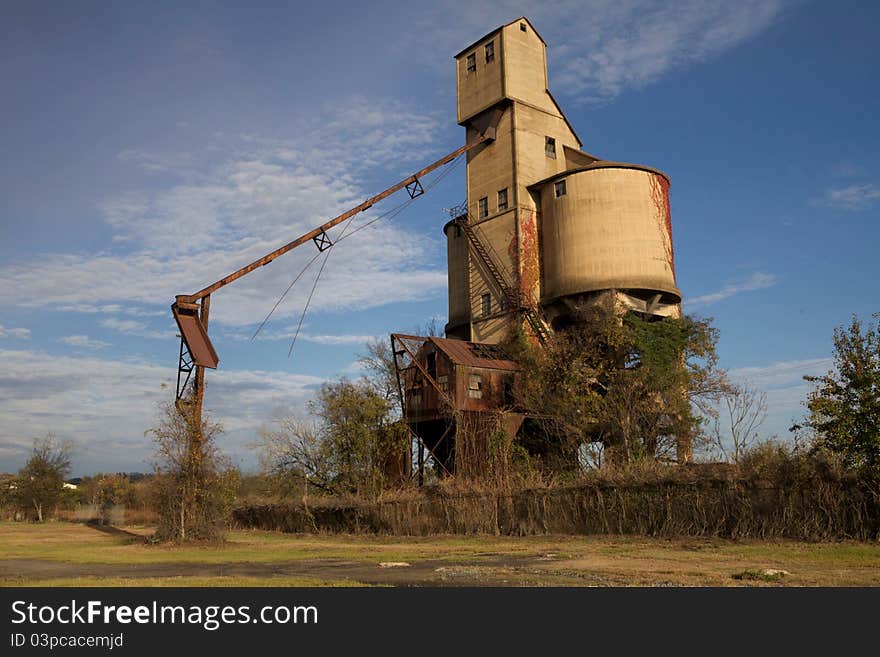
(353, 442)
(40, 483)
(844, 407)
(106, 491)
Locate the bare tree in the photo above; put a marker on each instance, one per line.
(741, 411)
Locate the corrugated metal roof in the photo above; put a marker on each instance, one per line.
(463, 353)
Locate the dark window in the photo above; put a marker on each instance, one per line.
(431, 365)
(490, 52)
(472, 62)
(483, 204)
(486, 304)
(550, 147)
(522, 26)
(507, 395)
(502, 199)
(559, 188)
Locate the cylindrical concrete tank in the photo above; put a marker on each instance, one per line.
(459, 285)
(606, 226)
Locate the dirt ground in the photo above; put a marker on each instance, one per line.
(57, 554)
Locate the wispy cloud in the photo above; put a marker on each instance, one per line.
(83, 341)
(600, 49)
(852, 197)
(756, 281)
(253, 195)
(19, 333)
(155, 162)
(783, 383)
(338, 339)
(133, 327)
(783, 373)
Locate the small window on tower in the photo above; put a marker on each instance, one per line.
(483, 205)
(472, 62)
(522, 26)
(490, 52)
(502, 199)
(550, 147)
(486, 304)
(559, 188)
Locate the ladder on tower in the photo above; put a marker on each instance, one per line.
(515, 298)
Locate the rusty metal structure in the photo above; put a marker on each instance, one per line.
(192, 311)
(445, 384)
(547, 230)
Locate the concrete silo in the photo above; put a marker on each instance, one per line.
(563, 227)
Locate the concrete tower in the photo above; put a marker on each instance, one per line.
(548, 227)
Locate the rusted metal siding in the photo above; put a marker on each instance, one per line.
(455, 363)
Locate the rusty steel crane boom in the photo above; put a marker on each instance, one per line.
(191, 311)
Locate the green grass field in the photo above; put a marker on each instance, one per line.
(68, 554)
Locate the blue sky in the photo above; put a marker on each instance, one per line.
(150, 148)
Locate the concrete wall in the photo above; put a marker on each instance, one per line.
(610, 230)
(483, 87)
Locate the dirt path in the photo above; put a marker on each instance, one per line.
(510, 571)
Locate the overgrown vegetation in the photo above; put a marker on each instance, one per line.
(194, 484)
(775, 492)
(625, 384)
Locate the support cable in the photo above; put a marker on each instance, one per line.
(289, 287)
(389, 214)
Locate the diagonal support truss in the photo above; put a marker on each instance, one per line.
(185, 366)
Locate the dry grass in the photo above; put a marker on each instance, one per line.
(62, 554)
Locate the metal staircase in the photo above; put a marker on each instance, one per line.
(513, 296)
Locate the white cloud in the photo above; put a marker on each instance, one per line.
(756, 281)
(83, 341)
(105, 405)
(20, 333)
(599, 49)
(853, 197)
(253, 197)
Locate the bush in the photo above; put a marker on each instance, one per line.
(194, 486)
